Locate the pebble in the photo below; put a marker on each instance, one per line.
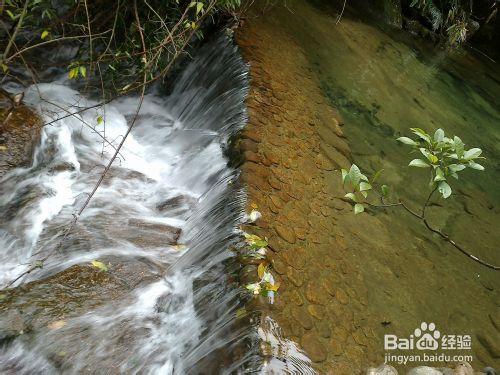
(313, 347)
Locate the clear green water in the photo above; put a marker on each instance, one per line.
(383, 83)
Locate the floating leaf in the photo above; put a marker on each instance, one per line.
(99, 265)
(418, 163)
(254, 288)
(273, 287)
(254, 215)
(358, 208)
(261, 269)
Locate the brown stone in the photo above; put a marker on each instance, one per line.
(335, 346)
(316, 311)
(341, 296)
(313, 347)
(248, 145)
(286, 233)
(251, 157)
(302, 317)
(296, 277)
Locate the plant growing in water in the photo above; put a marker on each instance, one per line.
(444, 157)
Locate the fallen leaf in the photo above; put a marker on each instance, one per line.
(100, 265)
(57, 324)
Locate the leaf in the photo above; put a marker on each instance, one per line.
(363, 186)
(199, 7)
(459, 146)
(376, 175)
(472, 153)
(261, 270)
(344, 175)
(439, 135)
(355, 175)
(273, 287)
(351, 196)
(444, 189)
(44, 35)
(57, 324)
(254, 206)
(83, 71)
(99, 120)
(5, 68)
(432, 158)
(422, 134)
(439, 175)
(254, 288)
(476, 166)
(358, 208)
(418, 163)
(72, 73)
(407, 141)
(240, 313)
(364, 194)
(385, 190)
(100, 265)
(456, 167)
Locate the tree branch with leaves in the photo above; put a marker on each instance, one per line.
(444, 157)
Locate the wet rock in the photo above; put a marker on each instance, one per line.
(335, 346)
(249, 145)
(491, 346)
(296, 277)
(286, 233)
(178, 203)
(252, 157)
(383, 369)
(341, 296)
(19, 134)
(150, 234)
(323, 328)
(71, 292)
(313, 347)
(424, 370)
(302, 317)
(11, 325)
(316, 311)
(463, 368)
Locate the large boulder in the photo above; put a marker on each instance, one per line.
(19, 133)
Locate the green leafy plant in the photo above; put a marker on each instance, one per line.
(444, 157)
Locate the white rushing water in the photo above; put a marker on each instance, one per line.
(171, 173)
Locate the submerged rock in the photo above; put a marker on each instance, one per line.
(19, 133)
(72, 292)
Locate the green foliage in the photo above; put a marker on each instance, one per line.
(121, 43)
(450, 18)
(444, 157)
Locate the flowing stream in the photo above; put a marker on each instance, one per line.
(167, 212)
